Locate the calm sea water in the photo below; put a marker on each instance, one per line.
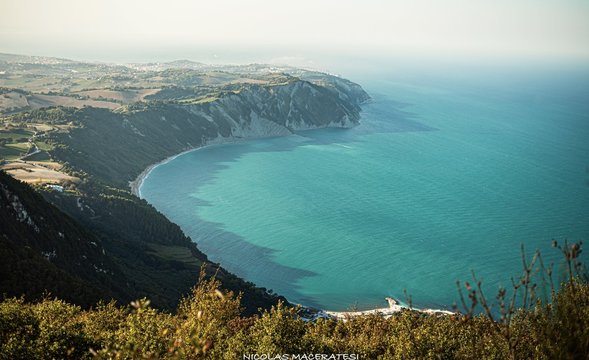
(441, 177)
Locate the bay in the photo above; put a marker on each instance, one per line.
(440, 178)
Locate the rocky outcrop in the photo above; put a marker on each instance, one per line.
(117, 146)
(258, 111)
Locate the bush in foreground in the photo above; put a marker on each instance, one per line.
(207, 325)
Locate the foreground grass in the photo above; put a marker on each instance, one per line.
(207, 325)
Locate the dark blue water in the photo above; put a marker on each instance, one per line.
(442, 176)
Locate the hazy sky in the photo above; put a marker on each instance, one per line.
(119, 29)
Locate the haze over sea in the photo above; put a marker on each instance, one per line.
(444, 174)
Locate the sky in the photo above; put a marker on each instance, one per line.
(294, 31)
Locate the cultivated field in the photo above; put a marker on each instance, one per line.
(37, 172)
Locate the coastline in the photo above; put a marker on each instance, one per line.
(394, 308)
(384, 312)
(135, 185)
(311, 314)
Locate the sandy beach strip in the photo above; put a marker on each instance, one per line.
(135, 185)
(394, 308)
(384, 312)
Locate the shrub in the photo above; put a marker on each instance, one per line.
(208, 325)
(19, 330)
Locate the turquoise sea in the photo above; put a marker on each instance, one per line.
(444, 175)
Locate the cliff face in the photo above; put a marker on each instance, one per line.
(147, 133)
(296, 106)
(279, 110)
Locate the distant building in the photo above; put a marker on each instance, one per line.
(55, 187)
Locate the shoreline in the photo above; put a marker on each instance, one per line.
(135, 185)
(395, 308)
(311, 313)
(384, 312)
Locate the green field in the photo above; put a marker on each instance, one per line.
(22, 146)
(40, 156)
(42, 145)
(205, 99)
(175, 253)
(15, 134)
(9, 154)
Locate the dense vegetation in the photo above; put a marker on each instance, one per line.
(207, 325)
(42, 249)
(117, 247)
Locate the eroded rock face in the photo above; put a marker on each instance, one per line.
(279, 110)
(150, 132)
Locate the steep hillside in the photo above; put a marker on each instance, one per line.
(43, 249)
